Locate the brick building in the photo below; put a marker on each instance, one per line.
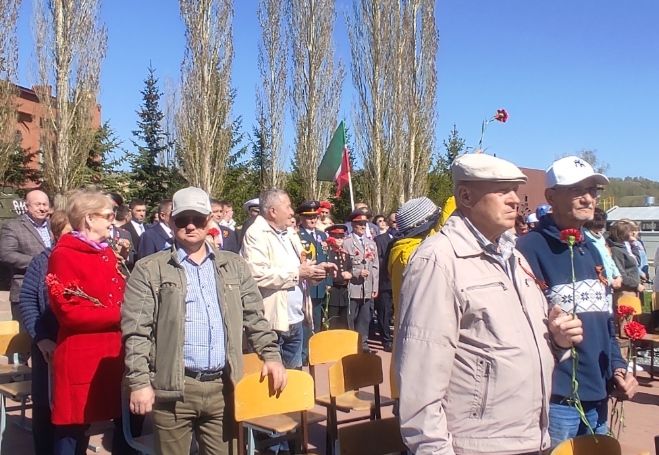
(31, 114)
(532, 194)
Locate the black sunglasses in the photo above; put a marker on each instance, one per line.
(181, 222)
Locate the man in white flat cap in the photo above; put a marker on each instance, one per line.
(476, 343)
(572, 189)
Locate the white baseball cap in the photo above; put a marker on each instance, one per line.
(191, 199)
(532, 218)
(571, 170)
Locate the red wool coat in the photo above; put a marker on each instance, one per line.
(88, 359)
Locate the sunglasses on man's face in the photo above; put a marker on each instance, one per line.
(184, 221)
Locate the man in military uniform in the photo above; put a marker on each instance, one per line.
(364, 283)
(314, 242)
(339, 300)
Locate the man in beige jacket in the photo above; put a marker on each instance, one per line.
(476, 345)
(275, 256)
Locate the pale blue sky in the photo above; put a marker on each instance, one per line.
(572, 74)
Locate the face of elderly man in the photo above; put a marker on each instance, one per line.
(490, 206)
(573, 205)
(37, 205)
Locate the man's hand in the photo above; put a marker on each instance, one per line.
(141, 401)
(374, 294)
(346, 276)
(625, 384)
(330, 268)
(312, 271)
(47, 347)
(616, 283)
(363, 273)
(566, 329)
(640, 288)
(278, 373)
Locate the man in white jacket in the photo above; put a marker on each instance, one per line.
(275, 256)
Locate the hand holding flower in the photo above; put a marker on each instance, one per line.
(565, 329)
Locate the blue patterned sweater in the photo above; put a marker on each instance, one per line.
(599, 353)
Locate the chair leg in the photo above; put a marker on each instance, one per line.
(3, 417)
(251, 444)
(241, 439)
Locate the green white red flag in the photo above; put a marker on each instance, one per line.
(335, 165)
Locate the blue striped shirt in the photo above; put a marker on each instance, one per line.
(204, 345)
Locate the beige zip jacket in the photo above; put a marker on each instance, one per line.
(274, 272)
(473, 352)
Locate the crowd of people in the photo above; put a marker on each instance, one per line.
(488, 308)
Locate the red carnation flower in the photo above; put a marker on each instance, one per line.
(213, 232)
(501, 115)
(625, 311)
(635, 331)
(571, 236)
(54, 285)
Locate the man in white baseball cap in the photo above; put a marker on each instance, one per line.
(474, 329)
(572, 191)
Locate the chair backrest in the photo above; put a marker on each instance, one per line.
(373, 437)
(631, 300)
(588, 445)
(330, 345)
(251, 363)
(255, 397)
(353, 372)
(12, 341)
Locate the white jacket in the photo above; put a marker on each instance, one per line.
(274, 273)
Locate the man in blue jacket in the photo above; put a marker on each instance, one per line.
(314, 242)
(572, 190)
(160, 236)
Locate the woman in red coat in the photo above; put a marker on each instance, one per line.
(86, 291)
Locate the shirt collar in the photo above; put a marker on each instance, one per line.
(501, 251)
(167, 229)
(182, 255)
(43, 224)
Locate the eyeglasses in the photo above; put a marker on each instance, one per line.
(580, 191)
(106, 216)
(181, 222)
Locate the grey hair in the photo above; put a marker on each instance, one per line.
(269, 198)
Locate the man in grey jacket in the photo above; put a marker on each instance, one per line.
(183, 318)
(22, 239)
(475, 346)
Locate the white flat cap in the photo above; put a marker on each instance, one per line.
(479, 167)
(251, 203)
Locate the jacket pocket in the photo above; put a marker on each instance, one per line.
(481, 389)
(495, 285)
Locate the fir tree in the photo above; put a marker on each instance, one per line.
(440, 181)
(151, 179)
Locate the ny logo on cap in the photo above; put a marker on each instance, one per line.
(579, 163)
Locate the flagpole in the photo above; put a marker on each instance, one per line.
(352, 197)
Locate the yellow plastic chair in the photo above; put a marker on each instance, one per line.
(12, 386)
(273, 425)
(257, 403)
(632, 301)
(346, 377)
(588, 445)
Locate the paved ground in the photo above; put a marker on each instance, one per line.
(641, 415)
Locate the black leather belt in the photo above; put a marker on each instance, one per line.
(203, 376)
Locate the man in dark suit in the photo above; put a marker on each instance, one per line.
(136, 225)
(160, 236)
(384, 301)
(314, 242)
(228, 241)
(23, 238)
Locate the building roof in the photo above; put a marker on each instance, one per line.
(634, 213)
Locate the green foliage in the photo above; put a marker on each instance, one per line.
(102, 164)
(241, 180)
(439, 179)
(19, 172)
(631, 191)
(150, 178)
